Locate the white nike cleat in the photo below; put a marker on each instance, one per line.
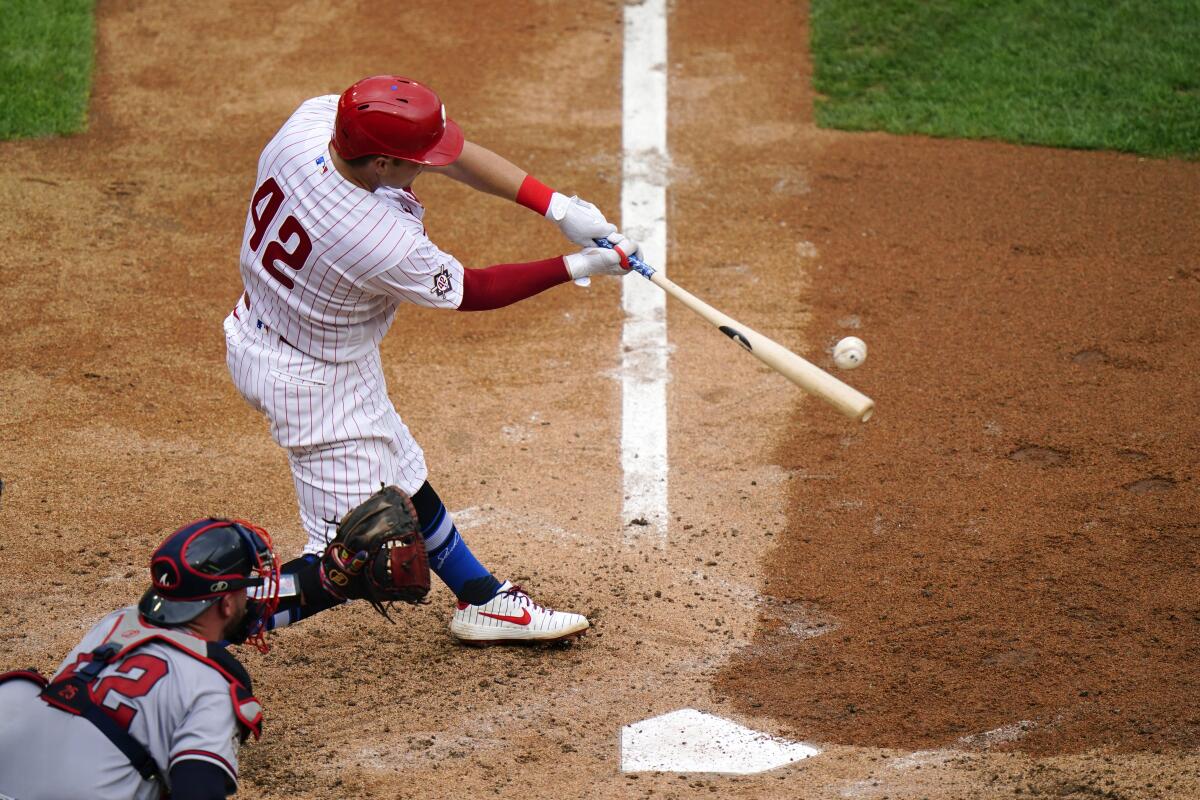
(511, 618)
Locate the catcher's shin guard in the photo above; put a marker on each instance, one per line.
(311, 597)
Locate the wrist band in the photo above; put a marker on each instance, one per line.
(534, 195)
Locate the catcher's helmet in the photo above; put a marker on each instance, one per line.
(393, 116)
(204, 560)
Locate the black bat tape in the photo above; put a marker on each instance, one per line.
(736, 335)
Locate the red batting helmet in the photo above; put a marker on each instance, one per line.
(393, 116)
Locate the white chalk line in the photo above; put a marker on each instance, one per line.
(644, 217)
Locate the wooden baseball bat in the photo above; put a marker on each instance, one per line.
(806, 375)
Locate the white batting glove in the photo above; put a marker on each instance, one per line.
(602, 261)
(579, 220)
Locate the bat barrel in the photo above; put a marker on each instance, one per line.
(814, 380)
(805, 374)
(808, 376)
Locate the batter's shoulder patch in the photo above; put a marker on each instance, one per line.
(441, 282)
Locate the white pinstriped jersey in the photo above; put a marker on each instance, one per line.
(325, 262)
(176, 706)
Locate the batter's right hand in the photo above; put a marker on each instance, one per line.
(602, 261)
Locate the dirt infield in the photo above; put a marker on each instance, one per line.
(1016, 539)
(989, 590)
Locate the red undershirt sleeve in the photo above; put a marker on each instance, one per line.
(504, 284)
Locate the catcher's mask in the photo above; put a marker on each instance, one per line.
(209, 558)
(393, 116)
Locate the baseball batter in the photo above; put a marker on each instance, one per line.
(148, 702)
(334, 243)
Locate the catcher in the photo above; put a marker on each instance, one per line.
(150, 702)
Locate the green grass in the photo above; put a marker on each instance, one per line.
(1095, 74)
(45, 66)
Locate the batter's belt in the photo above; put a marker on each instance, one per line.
(261, 325)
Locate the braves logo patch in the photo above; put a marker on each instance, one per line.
(441, 283)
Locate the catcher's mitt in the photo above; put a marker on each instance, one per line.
(378, 553)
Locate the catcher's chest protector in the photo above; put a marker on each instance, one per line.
(130, 633)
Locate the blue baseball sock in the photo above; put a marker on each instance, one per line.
(449, 556)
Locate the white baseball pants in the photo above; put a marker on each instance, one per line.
(336, 421)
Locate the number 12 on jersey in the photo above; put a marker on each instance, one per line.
(263, 208)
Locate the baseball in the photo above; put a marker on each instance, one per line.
(849, 352)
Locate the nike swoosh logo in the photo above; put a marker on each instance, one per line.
(521, 620)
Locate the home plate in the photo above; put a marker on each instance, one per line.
(692, 741)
